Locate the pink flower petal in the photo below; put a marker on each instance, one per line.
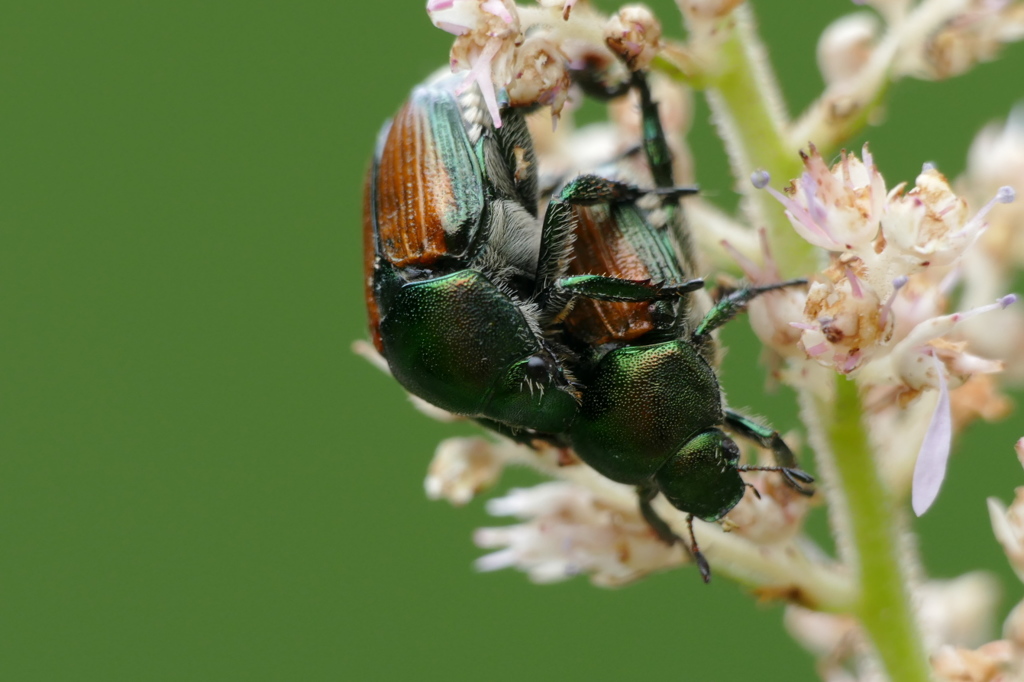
(850, 363)
(819, 214)
(454, 29)
(930, 469)
(438, 5)
(498, 9)
(803, 223)
(854, 284)
(481, 73)
(817, 349)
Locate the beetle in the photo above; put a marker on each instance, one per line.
(464, 281)
(652, 413)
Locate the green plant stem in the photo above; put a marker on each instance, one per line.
(743, 97)
(874, 543)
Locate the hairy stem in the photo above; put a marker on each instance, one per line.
(867, 533)
(747, 110)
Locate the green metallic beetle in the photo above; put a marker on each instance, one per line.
(464, 281)
(652, 413)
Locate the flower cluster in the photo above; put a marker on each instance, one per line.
(525, 54)
(877, 312)
(905, 285)
(570, 531)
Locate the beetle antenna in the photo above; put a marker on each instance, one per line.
(698, 556)
(794, 477)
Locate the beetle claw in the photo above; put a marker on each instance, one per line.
(698, 556)
(794, 475)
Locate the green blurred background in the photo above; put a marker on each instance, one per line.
(199, 480)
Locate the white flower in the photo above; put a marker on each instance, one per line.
(487, 33)
(525, 53)
(929, 225)
(984, 664)
(996, 159)
(540, 75)
(462, 467)
(568, 531)
(1008, 523)
(837, 209)
(960, 611)
(773, 515)
(875, 312)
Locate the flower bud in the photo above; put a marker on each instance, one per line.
(846, 46)
(959, 611)
(1008, 527)
(996, 159)
(461, 468)
(1013, 627)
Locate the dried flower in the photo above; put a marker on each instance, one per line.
(634, 34)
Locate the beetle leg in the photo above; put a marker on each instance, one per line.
(559, 223)
(733, 304)
(698, 556)
(595, 83)
(659, 159)
(665, 532)
(603, 288)
(659, 155)
(587, 190)
(556, 235)
(657, 524)
(527, 437)
(746, 427)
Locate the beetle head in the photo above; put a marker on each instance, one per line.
(702, 478)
